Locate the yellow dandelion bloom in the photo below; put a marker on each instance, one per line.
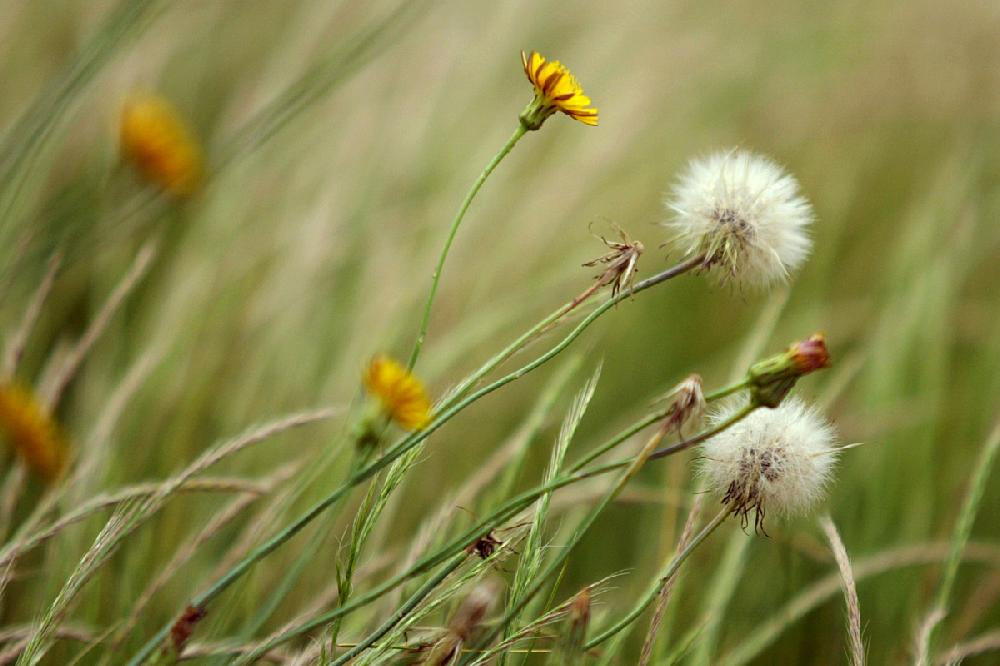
(555, 90)
(31, 431)
(399, 392)
(157, 142)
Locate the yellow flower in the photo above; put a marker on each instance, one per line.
(400, 394)
(555, 90)
(155, 139)
(31, 431)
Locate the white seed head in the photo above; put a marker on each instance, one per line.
(774, 460)
(745, 214)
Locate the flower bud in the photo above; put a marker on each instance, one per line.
(770, 380)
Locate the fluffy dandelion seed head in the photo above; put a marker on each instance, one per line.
(158, 143)
(31, 431)
(400, 394)
(774, 460)
(555, 90)
(745, 214)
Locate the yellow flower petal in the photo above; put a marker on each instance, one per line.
(400, 393)
(157, 142)
(556, 89)
(31, 431)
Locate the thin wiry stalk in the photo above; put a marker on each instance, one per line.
(668, 572)
(400, 449)
(53, 386)
(963, 529)
(131, 515)
(738, 416)
(219, 520)
(110, 500)
(14, 349)
(20, 635)
(663, 598)
(763, 635)
(922, 638)
(425, 318)
(95, 448)
(856, 643)
(981, 644)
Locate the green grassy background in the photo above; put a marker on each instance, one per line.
(342, 136)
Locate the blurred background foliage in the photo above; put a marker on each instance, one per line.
(341, 136)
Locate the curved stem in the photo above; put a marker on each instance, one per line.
(455, 223)
(408, 443)
(669, 571)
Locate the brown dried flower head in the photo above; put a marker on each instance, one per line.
(620, 261)
(687, 404)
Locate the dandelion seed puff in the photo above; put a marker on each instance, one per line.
(745, 214)
(773, 461)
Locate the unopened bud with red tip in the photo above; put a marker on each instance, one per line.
(770, 380)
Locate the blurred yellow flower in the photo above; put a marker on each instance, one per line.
(555, 90)
(31, 431)
(158, 143)
(400, 393)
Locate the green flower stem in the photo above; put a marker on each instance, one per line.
(455, 223)
(408, 443)
(404, 610)
(668, 572)
(688, 443)
(960, 537)
(551, 319)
